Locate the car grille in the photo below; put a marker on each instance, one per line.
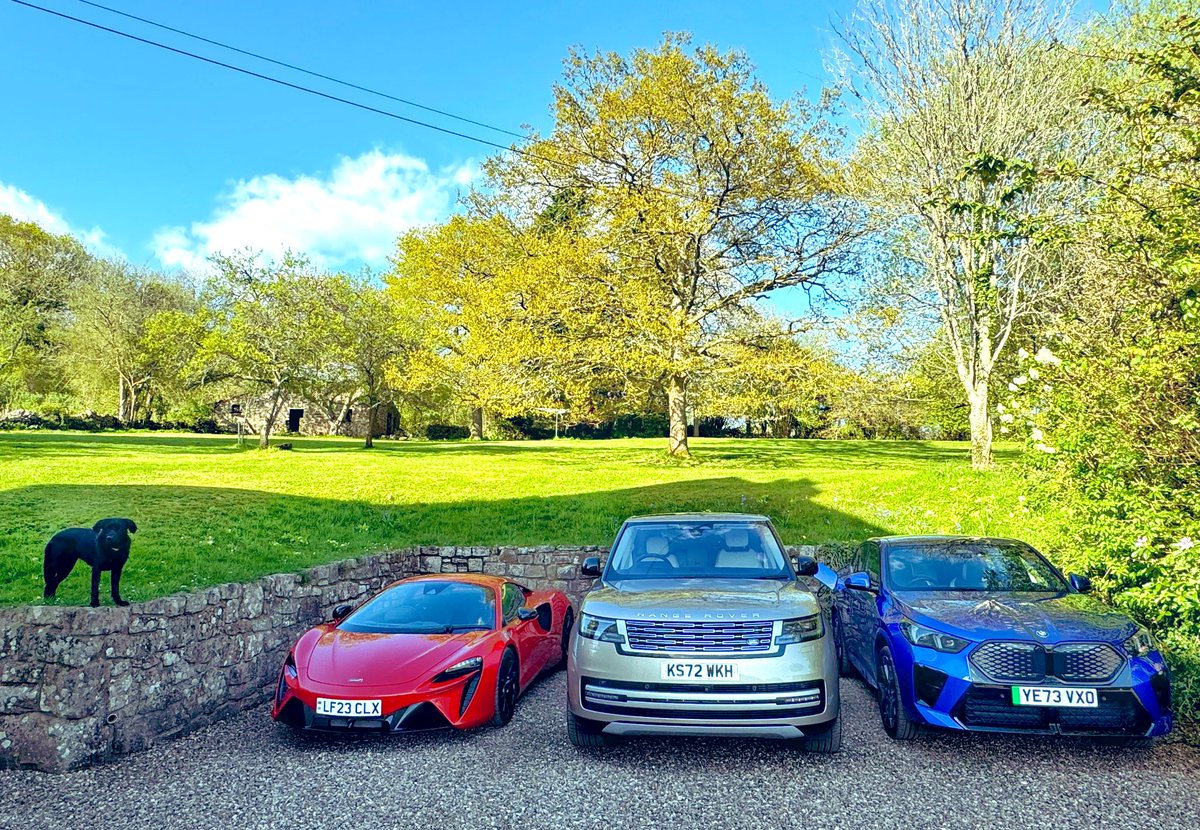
(1032, 663)
(700, 637)
(703, 687)
(726, 701)
(778, 713)
(1086, 662)
(990, 707)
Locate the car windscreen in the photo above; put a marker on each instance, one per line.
(426, 607)
(968, 566)
(698, 550)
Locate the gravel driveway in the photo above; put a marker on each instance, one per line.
(246, 773)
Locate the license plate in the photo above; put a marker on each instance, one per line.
(687, 670)
(1054, 696)
(349, 708)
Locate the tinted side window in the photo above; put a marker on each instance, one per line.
(870, 560)
(511, 600)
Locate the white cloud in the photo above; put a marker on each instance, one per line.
(20, 205)
(352, 215)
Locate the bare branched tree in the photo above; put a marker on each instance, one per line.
(973, 114)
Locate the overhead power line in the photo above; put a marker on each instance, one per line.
(513, 148)
(301, 69)
(279, 81)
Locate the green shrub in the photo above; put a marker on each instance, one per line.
(445, 432)
(1183, 656)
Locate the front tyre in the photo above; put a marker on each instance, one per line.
(827, 742)
(508, 687)
(585, 733)
(896, 722)
(845, 667)
(568, 624)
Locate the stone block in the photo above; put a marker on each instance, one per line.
(193, 602)
(171, 606)
(14, 670)
(431, 564)
(74, 692)
(30, 742)
(102, 621)
(252, 600)
(146, 622)
(19, 699)
(75, 651)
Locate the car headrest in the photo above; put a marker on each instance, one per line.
(974, 573)
(657, 546)
(737, 538)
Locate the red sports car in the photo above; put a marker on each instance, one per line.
(425, 652)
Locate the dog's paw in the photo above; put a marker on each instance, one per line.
(121, 602)
(95, 603)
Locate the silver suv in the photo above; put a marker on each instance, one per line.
(700, 626)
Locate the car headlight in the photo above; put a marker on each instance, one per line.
(599, 628)
(289, 666)
(1140, 644)
(800, 629)
(919, 635)
(471, 664)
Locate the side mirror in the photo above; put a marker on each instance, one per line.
(340, 612)
(591, 566)
(860, 581)
(1080, 583)
(806, 566)
(526, 614)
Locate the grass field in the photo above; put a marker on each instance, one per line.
(211, 512)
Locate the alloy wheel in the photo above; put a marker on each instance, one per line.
(506, 690)
(889, 694)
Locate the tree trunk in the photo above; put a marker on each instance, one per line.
(677, 443)
(121, 399)
(981, 428)
(476, 425)
(369, 441)
(337, 425)
(264, 437)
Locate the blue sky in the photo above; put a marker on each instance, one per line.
(163, 159)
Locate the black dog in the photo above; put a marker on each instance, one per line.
(105, 547)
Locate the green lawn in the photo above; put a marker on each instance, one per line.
(211, 512)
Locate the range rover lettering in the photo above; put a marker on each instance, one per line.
(699, 625)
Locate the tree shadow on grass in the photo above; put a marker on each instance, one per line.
(789, 452)
(191, 537)
(760, 453)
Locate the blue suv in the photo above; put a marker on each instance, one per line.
(985, 634)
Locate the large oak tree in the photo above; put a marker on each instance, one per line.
(700, 192)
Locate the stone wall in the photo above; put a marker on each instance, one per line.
(79, 685)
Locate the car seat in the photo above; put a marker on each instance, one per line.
(738, 551)
(974, 575)
(652, 560)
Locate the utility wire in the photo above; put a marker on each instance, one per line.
(279, 81)
(513, 148)
(301, 69)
